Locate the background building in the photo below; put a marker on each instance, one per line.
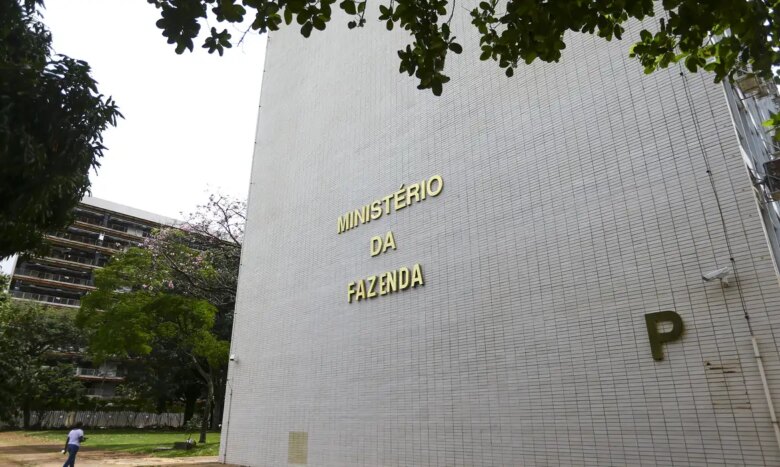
(580, 198)
(101, 228)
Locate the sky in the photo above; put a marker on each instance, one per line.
(189, 120)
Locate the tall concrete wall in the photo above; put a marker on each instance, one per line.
(576, 200)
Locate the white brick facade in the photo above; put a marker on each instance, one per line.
(576, 200)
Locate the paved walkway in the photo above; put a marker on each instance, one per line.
(24, 451)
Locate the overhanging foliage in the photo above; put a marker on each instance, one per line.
(724, 37)
(52, 118)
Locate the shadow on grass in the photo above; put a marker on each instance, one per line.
(29, 449)
(160, 449)
(158, 443)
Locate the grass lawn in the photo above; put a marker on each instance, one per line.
(138, 441)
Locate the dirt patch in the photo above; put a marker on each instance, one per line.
(24, 451)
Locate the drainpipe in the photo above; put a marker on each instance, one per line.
(766, 391)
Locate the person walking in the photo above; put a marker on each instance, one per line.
(73, 443)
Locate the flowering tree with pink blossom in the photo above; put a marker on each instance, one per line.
(201, 256)
(172, 299)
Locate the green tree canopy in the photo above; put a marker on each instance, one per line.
(130, 323)
(33, 378)
(51, 123)
(170, 304)
(724, 37)
(138, 312)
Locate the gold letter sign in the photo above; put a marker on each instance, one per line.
(402, 278)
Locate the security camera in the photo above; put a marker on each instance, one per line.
(718, 274)
(233, 357)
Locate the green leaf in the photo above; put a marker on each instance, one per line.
(690, 64)
(349, 7)
(436, 88)
(306, 29)
(455, 47)
(773, 121)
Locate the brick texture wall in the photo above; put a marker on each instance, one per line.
(576, 200)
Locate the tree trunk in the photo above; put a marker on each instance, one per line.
(208, 377)
(216, 419)
(219, 401)
(189, 405)
(206, 411)
(26, 415)
(160, 406)
(39, 419)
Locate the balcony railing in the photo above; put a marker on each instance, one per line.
(73, 258)
(118, 227)
(115, 227)
(110, 245)
(99, 392)
(135, 232)
(54, 277)
(77, 238)
(45, 298)
(89, 220)
(97, 372)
